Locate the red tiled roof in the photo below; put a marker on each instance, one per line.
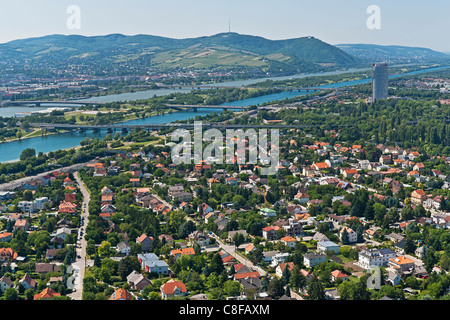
(253, 274)
(47, 293)
(170, 286)
(120, 294)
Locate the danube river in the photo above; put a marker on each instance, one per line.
(10, 151)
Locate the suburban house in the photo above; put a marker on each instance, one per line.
(168, 239)
(177, 193)
(232, 233)
(123, 248)
(5, 236)
(199, 237)
(420, 251)
(150, 262)
(352, 236)
(62, 233)
(137, 281)
(179, 252)
(206, 208)
(46, 267)
(46, 294)
(324, 246)
(7, 254)
(250, 248)
(374, 257)
(269, 233)
(280, 268)
(313, 259)
(28, 283)
(293, 227)
(289, 241)
(145, 241)
(173, 288)
(301, 197)
(67, 207)
(5, 283)
(22, 224)
(338, 274)
(401, 264)
(246, 275)
(394, 278)
(268, 255)
(266, 212)
(418, 196)
(121, 294)
(320, 237)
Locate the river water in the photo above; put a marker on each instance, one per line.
(11, 151)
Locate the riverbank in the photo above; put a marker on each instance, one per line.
(10, 151)
(31, 135)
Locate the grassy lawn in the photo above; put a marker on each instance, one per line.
(344, 259)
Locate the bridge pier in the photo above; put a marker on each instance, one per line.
(195, 109)
(124, 130)
(95, 130)
(109, 130)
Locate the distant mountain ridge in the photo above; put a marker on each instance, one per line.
(291, 55)
(393, 53)
(118, 54)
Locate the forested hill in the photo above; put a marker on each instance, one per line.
(216, 52)
(394, 54)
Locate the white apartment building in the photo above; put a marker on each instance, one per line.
(374, 257)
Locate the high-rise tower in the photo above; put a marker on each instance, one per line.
(379, 81)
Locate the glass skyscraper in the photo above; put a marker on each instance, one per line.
(379, 81)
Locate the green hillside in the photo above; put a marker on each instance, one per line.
(394, 54)
(142, 52)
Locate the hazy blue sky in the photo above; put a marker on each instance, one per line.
(411, 23)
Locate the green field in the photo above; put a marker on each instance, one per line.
(203, 58)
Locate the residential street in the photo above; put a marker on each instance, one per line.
(231, 250)
(80, 264)
(19, 182)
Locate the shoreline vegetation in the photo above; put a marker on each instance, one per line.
(131, 108)
(300, 79)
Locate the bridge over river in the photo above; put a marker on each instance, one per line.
(38, 103)
(162, 126)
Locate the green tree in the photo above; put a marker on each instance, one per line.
(186, 228)
(344, 238)
(238, 239)
(297, 279)
(238, 201)
(429, 259)
(154, 296)
(410, 246)
(104, 248)
(27, 153)
(275, 288)
(232, 288)
(316, 290)
(217, 264)
(11, 294)
(29, 294)
(286, 275)
(127, 265)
